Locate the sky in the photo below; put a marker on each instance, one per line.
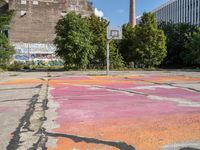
(117, 11)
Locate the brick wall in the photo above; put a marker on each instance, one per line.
(34, 20)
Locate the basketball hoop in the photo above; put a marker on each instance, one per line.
(112, 33)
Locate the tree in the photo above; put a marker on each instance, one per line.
(193, 54)
(150, 42)
(73, 41)
(177, 38)
(81, 42)
(126, 45)
(143, 45)
(116, 59)
(98, 28)
(6, 50)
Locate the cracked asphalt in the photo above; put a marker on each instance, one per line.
(154, 110)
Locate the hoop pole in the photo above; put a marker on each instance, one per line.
(108, 57)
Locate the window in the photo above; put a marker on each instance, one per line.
(23, 2)
(35, 2)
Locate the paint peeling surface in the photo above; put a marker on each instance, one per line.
(74, 111)
(17, 98)
(123, 112)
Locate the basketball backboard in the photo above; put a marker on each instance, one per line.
(114, 33)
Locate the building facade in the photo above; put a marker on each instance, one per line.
(179, 11)
(32, 27)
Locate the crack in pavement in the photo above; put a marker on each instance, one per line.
(15, 100)
(35, 137)
(188, 148)
(191, 89)
(178, 101)
(77, 139)
(26, 131)
(15, 141)
(169, 84)
(120, 90)
(26, 135)
(25, 88)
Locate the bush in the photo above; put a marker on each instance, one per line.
(6, 51)
(178, 36)
(1, 70)
(192, 56)
(16, 66)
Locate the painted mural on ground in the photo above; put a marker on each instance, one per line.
(124, 112)
(138, 112)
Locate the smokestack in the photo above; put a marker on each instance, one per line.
(132, 18)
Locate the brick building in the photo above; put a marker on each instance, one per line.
(32, 27)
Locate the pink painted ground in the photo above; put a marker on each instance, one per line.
(141, 111)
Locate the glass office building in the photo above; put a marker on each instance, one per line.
(179, 11)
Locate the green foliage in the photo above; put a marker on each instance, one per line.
(73, 41)
(6, 50)
(1, 69)
(144, 45)
(126, 44)
(5, 19)
(150, 42)
(81, 43)
(177, 39)
(116, 59)
(98, 28)
(193, 54)
(15, 66)
(33, 65)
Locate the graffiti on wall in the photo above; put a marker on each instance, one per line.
(33, 48)
(34, 51)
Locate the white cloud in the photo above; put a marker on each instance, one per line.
(98, 13)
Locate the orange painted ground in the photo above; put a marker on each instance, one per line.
(142, 111)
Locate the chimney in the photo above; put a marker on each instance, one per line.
(132, 18)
